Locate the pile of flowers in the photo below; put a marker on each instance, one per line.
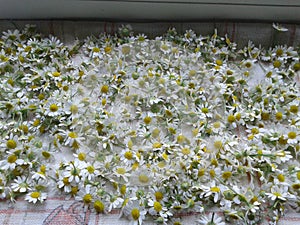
(154, 127)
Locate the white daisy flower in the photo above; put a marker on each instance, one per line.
(279, 27)
(35, 196)
(211, 219)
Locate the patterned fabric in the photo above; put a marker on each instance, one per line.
(57, 211)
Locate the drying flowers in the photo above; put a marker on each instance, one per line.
(154, 127)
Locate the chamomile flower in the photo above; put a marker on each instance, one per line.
(11, 162)
(11, 36)
(213, 190)
(141, 177)
(20, 184)
(41, 174)
(280, 193)
(114, 202)
(135, 213)
(87, 195)
(63, 183)
(36, 196)
(279, 27)
(158, 209)
(72, 139)
(122, 172)
(211, 219)
(165, 47)
(72, 170)
(53, 108)
(90, 171)
(292, 136)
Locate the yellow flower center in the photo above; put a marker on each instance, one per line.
(230, 118)
(214, 162)
(46, 154)
(265, 116)
(218, 144)
(161, 164)
(212, 173)
(156, 145)
(215, 189)
(248, 64)
(11, 144)
(147, 120)
(43, 168)
(121, 170)
(12, 158)
(87, 198)
(169, 113)
(130, 144)
(135, 213)
(281, 177)
(201, 172)
(90, 169)
(276, 64)
(226, 175)
(24, 128)
(123, 190)
(143, 178)
(278, 116)
(216, 125)
(186, 151)
(135, 165)
(155, 132)
(66, 181)
(238, 116)
(74, 190)
(219, 62)
(56, 74)
(53, 107)
(282, 141)
(292, 135)
(99, 206)
(72, 135)
(205, 110)
(294, 109)
(35, 194)
(126, 49)
(180, 139)
(36, 122)
(107, 49)
(296, 186)
(75, 145)
(65, 88)
(74, 109)
(81, 156)
(164, 47)
(158, 196)
(177, 223)
(128, 155)
(157, 206)
(296, 66)
(172, 130)
(95, 49)
(105, 89)
(255, 130)
(279, 52)
(277, 194)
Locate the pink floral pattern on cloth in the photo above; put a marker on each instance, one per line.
(61, 212)
(70, 216)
